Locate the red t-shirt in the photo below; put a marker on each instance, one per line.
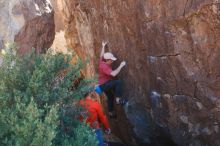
(104, 72)
(94, 114)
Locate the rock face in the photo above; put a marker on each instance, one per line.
(78, 33)
(59, 43)
(28, 23)
(172, 51)
(172, 76)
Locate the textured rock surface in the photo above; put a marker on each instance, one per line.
(59, 43)
(171, 46)
(78, 33)
(28, 23)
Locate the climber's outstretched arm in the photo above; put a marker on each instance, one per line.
(117, 70)
(103, 48)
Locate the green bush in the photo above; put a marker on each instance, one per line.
(37, 92)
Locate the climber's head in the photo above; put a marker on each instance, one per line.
(87, 91)
(90, 93)
(109, 58)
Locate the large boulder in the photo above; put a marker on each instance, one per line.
(172, 50)
(28, 23)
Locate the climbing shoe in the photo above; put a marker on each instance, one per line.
(121, 101)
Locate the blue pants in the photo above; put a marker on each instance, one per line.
(99, 137)
(112, 89)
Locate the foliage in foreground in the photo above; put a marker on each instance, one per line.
(37, 92)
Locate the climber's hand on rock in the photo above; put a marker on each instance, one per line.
(104, 43)
(123, 63)
(108, 131)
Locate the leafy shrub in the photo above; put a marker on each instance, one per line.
(37, 92)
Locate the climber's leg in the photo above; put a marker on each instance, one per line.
(99, 137)
(114, 85)
(110, 100)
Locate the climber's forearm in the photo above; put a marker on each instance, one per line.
(102, 51)
(104, 43)
(116, 71)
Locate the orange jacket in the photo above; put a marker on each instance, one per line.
(94, 114)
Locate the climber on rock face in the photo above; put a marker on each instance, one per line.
(94, 115)
(112, 88)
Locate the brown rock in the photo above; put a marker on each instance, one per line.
(171, 47)
(29, 23)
